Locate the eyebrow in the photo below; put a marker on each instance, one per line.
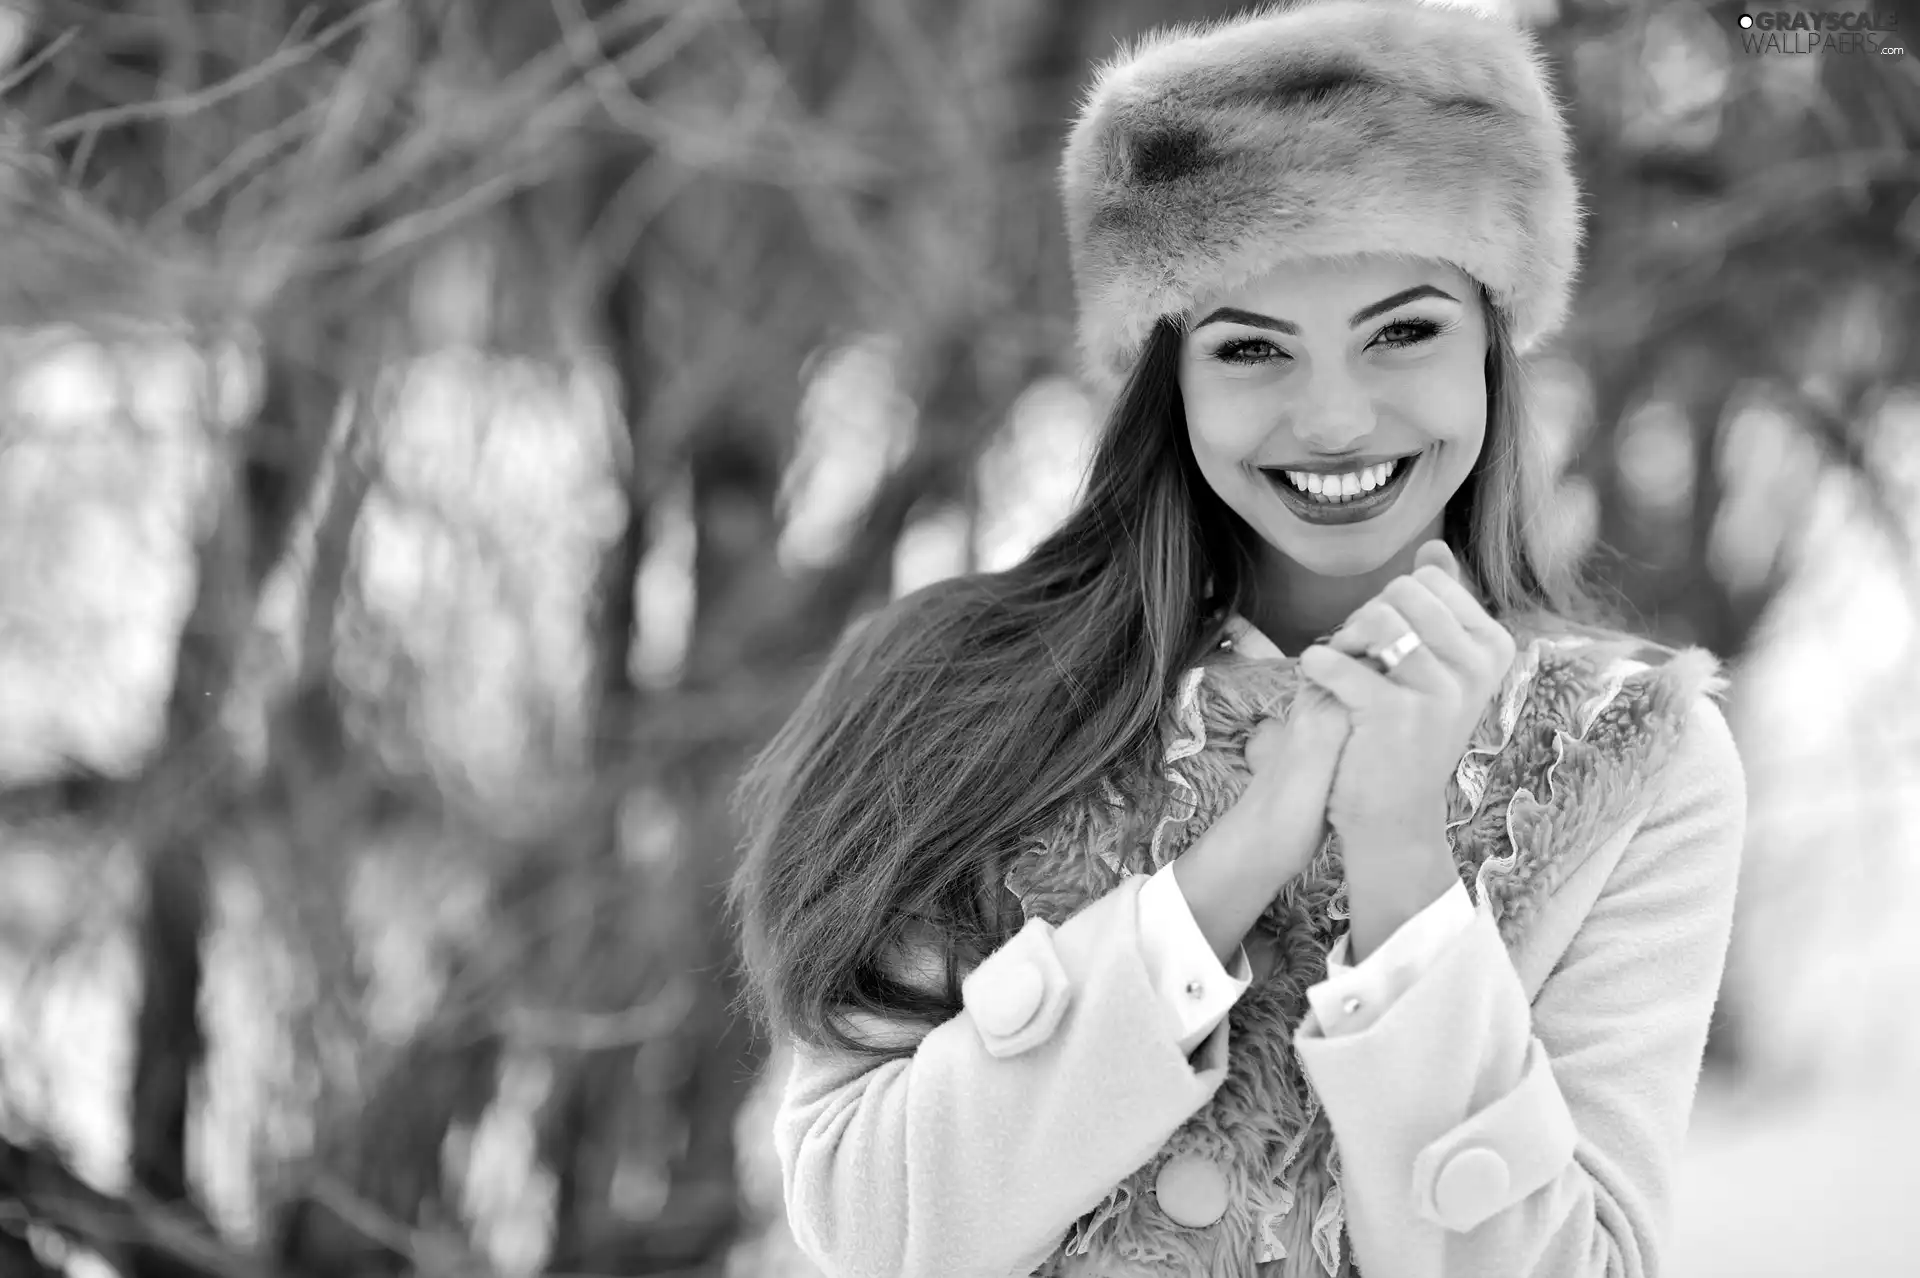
(1234, 314)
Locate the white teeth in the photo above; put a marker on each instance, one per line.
(1346, 485)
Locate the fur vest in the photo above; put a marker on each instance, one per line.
(1564, 754)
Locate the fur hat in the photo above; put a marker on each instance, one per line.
(1209, 153)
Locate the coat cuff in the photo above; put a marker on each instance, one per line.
(1461, 1133)
(1352, 997)
(1504, 1153)
(1187, 976)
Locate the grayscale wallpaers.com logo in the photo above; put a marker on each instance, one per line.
(1825, 31)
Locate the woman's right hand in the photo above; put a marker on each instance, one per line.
(1293, 761)
(1271, 833)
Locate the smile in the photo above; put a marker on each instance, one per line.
(1344, 497)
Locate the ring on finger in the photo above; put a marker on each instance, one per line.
(1394, 653)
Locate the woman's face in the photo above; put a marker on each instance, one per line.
(1336, 406)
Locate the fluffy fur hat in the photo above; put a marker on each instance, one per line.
(1209, 153)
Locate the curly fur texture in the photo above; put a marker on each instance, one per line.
(1569, 747)
(1209, 153)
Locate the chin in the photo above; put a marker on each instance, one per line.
(1333, 551)
(1342, 556)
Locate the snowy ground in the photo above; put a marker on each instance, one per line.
(1780, 1188)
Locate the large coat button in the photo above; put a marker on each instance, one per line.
(1472, 1186)
(1004, 997)
(1192, 1190)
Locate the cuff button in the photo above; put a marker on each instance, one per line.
(1196, 989)
(1472, 1185)
(1352, 1005)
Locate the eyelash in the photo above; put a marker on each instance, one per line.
(1424, 330)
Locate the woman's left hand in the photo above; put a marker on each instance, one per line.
(1410, 726)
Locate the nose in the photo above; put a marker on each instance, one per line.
(1337, 413)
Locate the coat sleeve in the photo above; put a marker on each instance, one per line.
(1481, 1136)
(1371, 987)
(1061, 1076)
(1181, 966)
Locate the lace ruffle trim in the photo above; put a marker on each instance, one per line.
(1612, 681)
(1192, 741)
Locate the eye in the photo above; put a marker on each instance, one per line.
(1248, 350)
(1410, 332)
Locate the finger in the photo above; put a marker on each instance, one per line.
(1437, 554)
(1314, 702)
(1378, 623)
(1486, 632)
(1315, 728)
(1353, 683)
(1371, 625)
(1434, 622)
(1318, 720)
(1448, 590)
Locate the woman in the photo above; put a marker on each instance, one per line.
(1308, 245)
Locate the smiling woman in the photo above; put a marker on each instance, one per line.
(1011, 863)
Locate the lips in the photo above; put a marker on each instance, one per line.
(1353, 510)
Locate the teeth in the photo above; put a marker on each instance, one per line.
(1344, 486)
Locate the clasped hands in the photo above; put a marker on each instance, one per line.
(1399, 735)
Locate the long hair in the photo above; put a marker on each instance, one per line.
(954, 722)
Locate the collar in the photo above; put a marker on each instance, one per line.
(1248, 640)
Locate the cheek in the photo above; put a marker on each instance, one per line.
(1451, 406)
(1226, 424)
(1216, 430)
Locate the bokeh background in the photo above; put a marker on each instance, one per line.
(440, 438)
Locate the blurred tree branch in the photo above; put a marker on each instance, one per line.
(176, 1244)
